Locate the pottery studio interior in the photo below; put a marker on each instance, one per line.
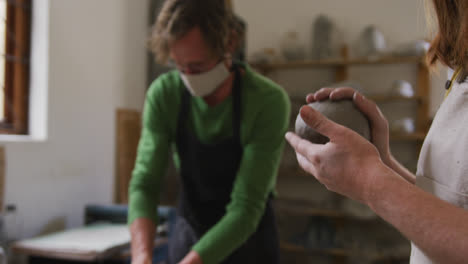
(233, 131)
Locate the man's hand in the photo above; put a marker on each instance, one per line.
(345, 164)
(192, 258)
(378, 122)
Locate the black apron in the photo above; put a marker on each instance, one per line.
(208, 172)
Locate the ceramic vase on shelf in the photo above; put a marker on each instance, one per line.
(371, 43)
(291, 47)
(326, 39)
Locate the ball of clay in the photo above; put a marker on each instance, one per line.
(342, 112)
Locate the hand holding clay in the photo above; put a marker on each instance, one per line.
(378, 122)
(342, 112)
(344, 164)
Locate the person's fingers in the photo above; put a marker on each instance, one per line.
(331, 93)
(370, 109)
(310, 98)
(323, 94)
(306, 164)
(304, 147)
(293, 140)
(342, 93)
(306, 152)
(299, 144)
(366, 106)
(320, 123)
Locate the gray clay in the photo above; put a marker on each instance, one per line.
(342, 112)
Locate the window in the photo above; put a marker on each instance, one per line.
(14, 69)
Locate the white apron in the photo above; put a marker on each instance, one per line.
(443, 162)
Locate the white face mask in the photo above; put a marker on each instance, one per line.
(203, 84)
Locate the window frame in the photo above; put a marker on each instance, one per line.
(17, 64)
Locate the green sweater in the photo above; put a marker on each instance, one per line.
(265, 119)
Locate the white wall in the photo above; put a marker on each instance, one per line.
(400, 21)
(97, 63)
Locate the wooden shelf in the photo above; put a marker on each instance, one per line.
(302, 209)
(337, 252)
(265, 67)
(305, 208)
(417, 136)
(391, 98)
(294, 172)
(400, 258)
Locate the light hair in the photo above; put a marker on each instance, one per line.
(177, 17)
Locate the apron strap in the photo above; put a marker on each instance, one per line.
(184, 112)
(237, 96)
